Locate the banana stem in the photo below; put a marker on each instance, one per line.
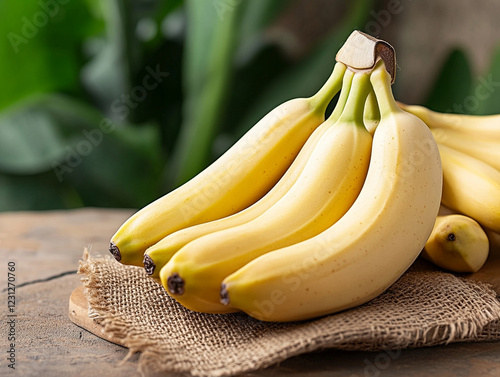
(371, 115)
(344, 95)
(381, 83)
(354, 109)
(372, 112)
(330, 88)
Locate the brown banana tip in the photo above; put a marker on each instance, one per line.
(115, 251)
(175, 284)
(224, 295)
(149, 264)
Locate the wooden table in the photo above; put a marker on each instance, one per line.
(46, 248)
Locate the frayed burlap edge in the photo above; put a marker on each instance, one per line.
(158, 359)
(103, 314)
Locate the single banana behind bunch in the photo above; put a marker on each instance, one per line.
(485, 126)
(324, 191)
(457, 243)
(470, 153)
(156, 256)
(479, 147)
(471, 187)
(370, 247)
(241, 176)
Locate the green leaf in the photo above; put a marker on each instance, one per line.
(209, 51)
(35, 192)
(108, 74)
(34, 132)
(257, 61)
(117, 67)
(40, 47)
(485, 97)
(121, 170)
(106, 164)
(453, 85)
(256, 15)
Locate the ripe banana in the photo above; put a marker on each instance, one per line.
(457, 243)
(370, 247)
(487, 126)
(324, 191)
(241, 176)
(482, 148)
(160, 253)
(471, 187)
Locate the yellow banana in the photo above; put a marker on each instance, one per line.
(487, 126)
(241, 176)
(457, 243)
(370, 247)
(482, 148)
(160, 253)
(324, 191)
(471, 187)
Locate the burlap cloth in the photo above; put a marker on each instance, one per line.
(425, 307)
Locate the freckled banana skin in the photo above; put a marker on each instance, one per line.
(457, 243)
(370, 247)
(240, 177)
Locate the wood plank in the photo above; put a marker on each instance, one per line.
(79, 315)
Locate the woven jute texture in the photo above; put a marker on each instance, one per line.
(425, 307)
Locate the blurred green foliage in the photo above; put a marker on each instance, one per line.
(115, 103)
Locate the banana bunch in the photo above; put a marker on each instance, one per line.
(337, 227)
(306, 216)
(470, 153)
